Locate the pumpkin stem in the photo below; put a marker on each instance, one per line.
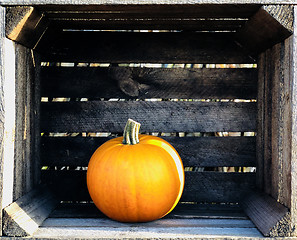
(131, 132)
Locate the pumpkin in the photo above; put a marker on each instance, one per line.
(135, 178)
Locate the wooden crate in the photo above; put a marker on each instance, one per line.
(217, 80)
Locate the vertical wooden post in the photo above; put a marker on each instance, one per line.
(2, 119)
(293, 146)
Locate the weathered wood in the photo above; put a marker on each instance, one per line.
(162, 223)
(293, 129)
(2, 109)
(149, 24)
(196, 83)
(275, 133)
(23, 217)
(143, 232)
(263, 30)
(143, 11)
(25, 25)
(181, 211)
(270, 217)
(194, 151)
(267, 177)
(199, 186)
(24, 141)
(166, 17)
(145, 2)
(162, 116)
(260, 141)
(139, 47)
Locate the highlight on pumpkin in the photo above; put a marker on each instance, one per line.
(132, 180)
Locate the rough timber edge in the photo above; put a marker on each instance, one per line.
(126, 2)
(24, 216)
(270, 217)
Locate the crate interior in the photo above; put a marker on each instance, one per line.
(182, 74)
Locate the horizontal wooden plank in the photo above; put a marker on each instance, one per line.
(115, 82)
(181, 211)
(217, 186)
(150, 11)
(138, 2)
(182, 233)
(199, 186)
(194, 151)
(148, 24)
(163, 116)
(141, 47)
(162, 223)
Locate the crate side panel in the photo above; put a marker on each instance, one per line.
(121, 82)
(25, 123)
(141, 47)
(276, 115)
(164, 116)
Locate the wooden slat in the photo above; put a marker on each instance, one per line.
(181, 211)
(184, 47)
(194, 151)
(216, 233)
(120, 82)
(137, 2)
(25, 25)
(149, 11)
(270, 25)
(163, 116)
(162, 223)
(23, 217)
(199, 186)
(270, 217)
(149, 24)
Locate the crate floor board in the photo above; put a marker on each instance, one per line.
(186, 221)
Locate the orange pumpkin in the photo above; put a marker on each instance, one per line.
(135, 178)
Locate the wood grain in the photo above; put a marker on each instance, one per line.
(25, 25)
(2, 108)
(194, 151)
(270, 217)
(100, 82)
(263, 30)
(149, 24)
(199, 186)
(181, 211)
(293, 129)
(23, 217)
(141, 47)
(146, 2)
(164, 116)
(153, 11)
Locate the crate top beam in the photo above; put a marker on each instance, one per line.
(258, 27)
(125, 2)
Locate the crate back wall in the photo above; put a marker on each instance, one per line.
(189, 88)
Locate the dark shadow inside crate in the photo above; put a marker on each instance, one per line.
(193, 85)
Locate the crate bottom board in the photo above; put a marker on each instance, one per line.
(187, 221)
